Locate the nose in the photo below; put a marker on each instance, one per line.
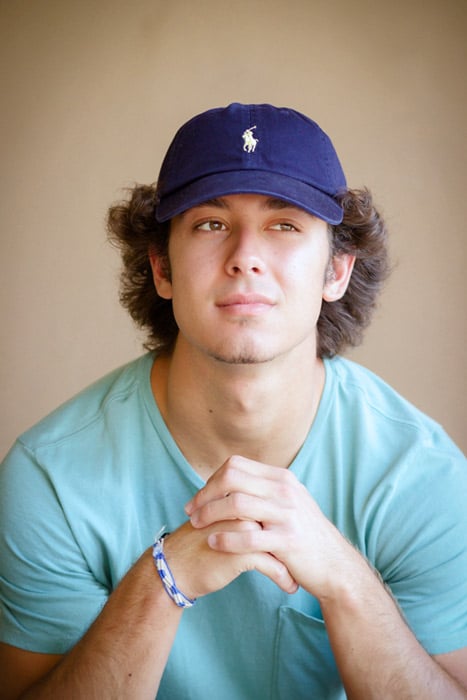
(244, 256)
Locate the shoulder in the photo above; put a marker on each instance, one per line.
(74, 418)
(359, 383)
(400, 484)
(370, 401)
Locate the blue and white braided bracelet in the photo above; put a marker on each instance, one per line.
(166, 575)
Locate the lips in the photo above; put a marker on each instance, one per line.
(245, 304)
(245, 300)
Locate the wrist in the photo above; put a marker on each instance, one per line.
(166, 576)
(354, 588)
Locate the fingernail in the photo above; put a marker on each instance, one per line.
(189, 508)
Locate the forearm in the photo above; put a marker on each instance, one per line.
(124, 653)
(377, 654)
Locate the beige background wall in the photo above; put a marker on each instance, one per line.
(92, 92)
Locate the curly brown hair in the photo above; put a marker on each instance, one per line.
(133, 228)
(362, 233)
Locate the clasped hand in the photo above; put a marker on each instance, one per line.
(285, 522)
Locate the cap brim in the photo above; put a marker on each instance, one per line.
(309, 198)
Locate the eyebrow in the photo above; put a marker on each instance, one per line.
(215, 202)
(277, 203)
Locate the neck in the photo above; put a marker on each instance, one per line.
(214, 410)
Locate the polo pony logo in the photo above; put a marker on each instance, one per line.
(249, 141)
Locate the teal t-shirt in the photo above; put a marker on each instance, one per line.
(83, 493)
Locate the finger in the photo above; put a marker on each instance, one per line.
(236, 474)
(269, 566)
(238, 506)
(249, 541)
(240, 474)
(237, 525)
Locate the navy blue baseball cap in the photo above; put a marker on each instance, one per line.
(259, 149)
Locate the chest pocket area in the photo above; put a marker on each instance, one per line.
(304, 665)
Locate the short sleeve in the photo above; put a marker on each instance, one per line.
(419, 546)
(48, 593)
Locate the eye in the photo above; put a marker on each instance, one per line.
(283, 226)
(211, 225)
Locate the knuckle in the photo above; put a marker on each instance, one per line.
(227, 477)
(284, 492)
(250, 539)
(235, 461)
(237, 501)
(206, 513)
(288, 477)
(232, 468)
(286, 485)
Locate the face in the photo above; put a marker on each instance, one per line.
(248, 276)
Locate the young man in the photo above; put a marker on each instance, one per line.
(317, 522)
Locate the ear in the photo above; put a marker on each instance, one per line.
(338, 276)
(160, 275)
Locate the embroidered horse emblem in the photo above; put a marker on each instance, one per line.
(249, 141)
